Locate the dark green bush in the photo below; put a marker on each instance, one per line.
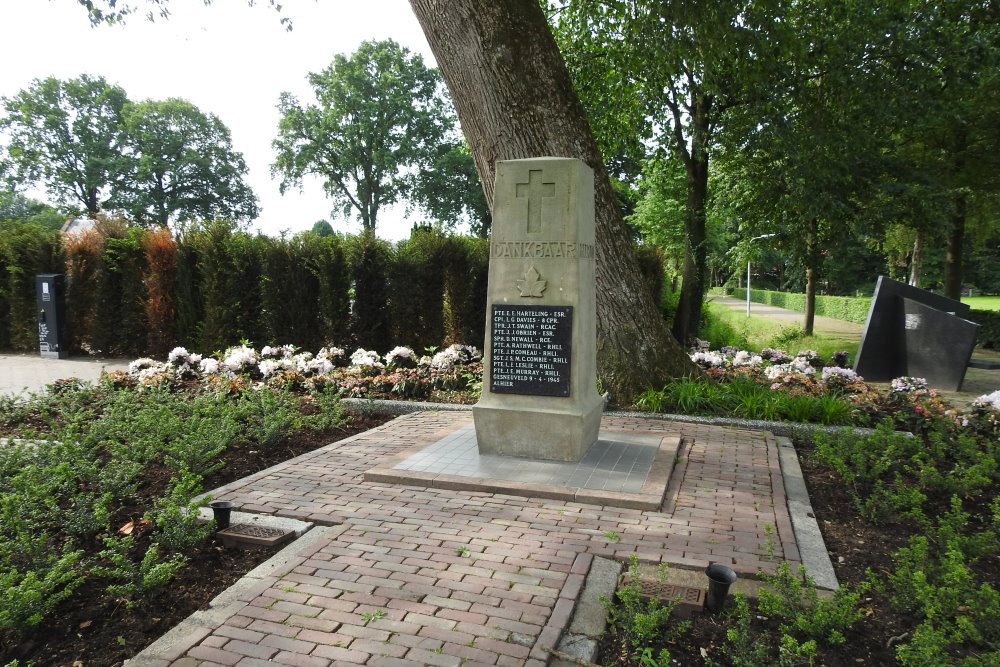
(189, 297)
(229, 267)
(331, 270)
(290, 291)
(467, 271)
(416, 296)
(371, 326)
(120, 325)
(26, 249)
(989, 328)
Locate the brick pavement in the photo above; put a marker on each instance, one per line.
(425, 576)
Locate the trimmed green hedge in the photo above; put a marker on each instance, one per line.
(989, 328)
(850, 309)
(225, 285)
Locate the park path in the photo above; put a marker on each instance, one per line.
(823, 326)
(429, 576)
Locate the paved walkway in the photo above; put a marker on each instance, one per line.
(424, 576)
(22, 373)
(822, 326)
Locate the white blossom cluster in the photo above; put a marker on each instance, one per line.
(144, 369)
(453, 355)
(846, 374)
(241, 359)
(185, 362)
(709, 359)
(989, 401)
(277, 351)
(744, 358)
(401, 356)
(366, 358)
(908, 385)
(797, 366)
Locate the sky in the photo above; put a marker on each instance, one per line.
(227, 59)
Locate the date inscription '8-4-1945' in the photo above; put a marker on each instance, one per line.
(530, 350)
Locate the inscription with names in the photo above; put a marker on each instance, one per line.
(530, 350)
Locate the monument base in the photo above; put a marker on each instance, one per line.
(541, 431)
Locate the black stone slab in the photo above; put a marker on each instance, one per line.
(910, 331)
(530, 350)
(938, 345)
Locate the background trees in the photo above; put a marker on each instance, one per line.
(93, 150)
(180, 165)
(67, 136)
(377, 113)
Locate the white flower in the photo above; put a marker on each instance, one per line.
(209, 366)
(178, 356)
(278, 351)
(240, 358)
(744, 358)
(399, 354)
(794, 367)
(907, 385)
(141, 364)
(269, 367)
(991, 400)
(836, 372)
(362, 357)
(446, 359)
(708, 359)
(808, 355)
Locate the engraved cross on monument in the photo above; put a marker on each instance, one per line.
(535, 189)
(540, 395)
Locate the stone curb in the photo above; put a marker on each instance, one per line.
(812, 549)
(590, 617)
(189, 632)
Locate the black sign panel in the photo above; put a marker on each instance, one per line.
(531, 350)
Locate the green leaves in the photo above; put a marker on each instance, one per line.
(378, 113)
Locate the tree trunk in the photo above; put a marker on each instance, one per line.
(953, 254)
(515, 99)
(688, 317)
(917, 259)
(812, 263)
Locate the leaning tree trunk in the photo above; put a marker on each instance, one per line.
(515, 99)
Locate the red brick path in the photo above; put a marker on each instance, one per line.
(424, 576)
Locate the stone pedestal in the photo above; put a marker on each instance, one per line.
(540, 395)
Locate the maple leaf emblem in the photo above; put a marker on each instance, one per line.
(530, 285)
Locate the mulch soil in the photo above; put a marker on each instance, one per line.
(94, 629)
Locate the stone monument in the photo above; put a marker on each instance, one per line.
(910, 331)
(540, 395)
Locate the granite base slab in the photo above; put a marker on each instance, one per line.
(620, 470)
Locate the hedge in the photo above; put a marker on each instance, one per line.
(136, 292)
(850, 309)
(989, 328)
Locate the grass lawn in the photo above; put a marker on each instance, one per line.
(983, 302)
(730, 327)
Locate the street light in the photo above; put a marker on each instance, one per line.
(756, 238)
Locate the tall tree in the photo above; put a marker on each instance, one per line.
(447, 188)
(67, 135)
(951, 58)
(377, 113)
(181, 166)
(515, 99)
(670, 71)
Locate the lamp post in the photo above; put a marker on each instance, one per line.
(756, 238)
